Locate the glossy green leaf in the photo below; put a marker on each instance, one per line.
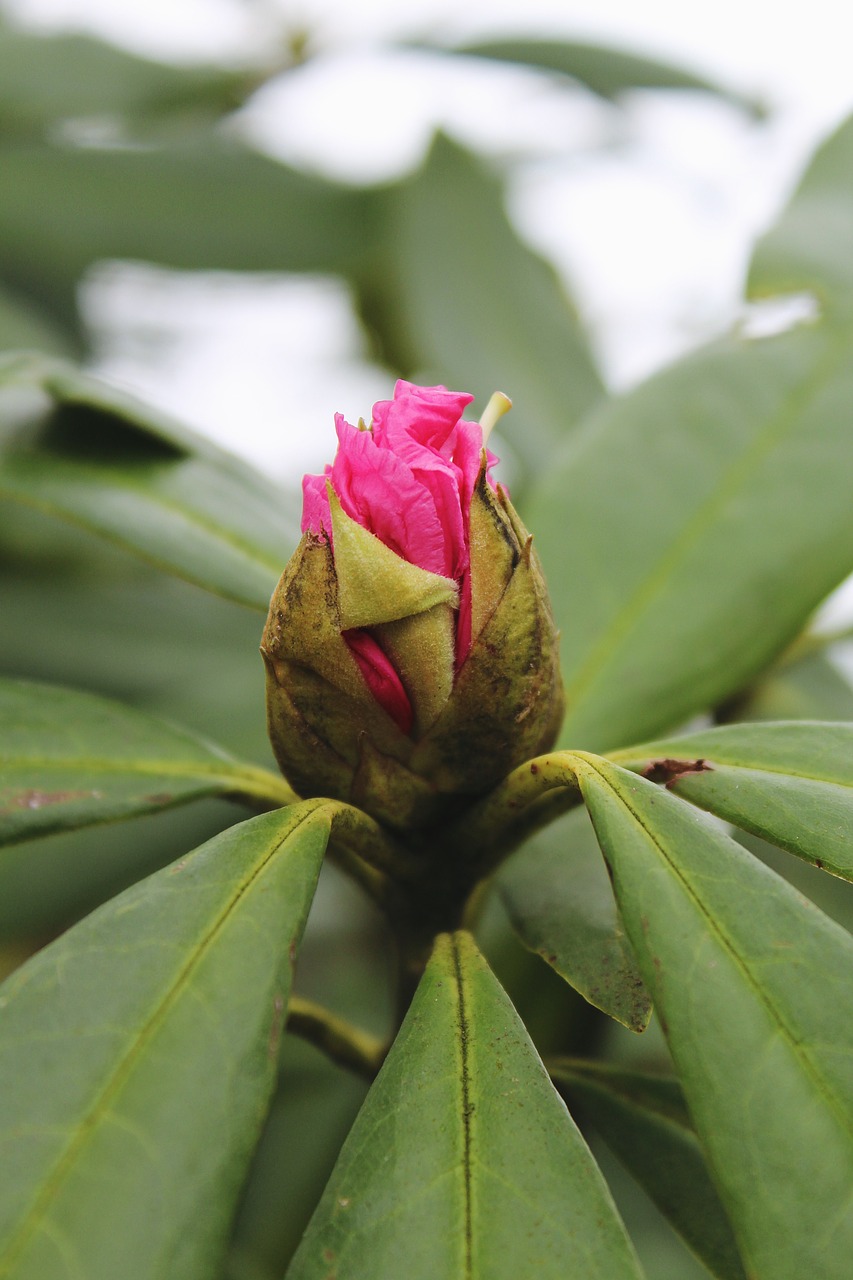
(138, 1054)
(708, 512)
(752, 986)
(789, 782)
(606, 71)
(809, 247)
(78, 449)
(70, 760)
(479, 310)
(692, 528)
(645, 1122)
(207, 204)
(558, 896)
(463, 1161)
(45, 78)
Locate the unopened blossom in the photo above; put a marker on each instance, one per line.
(410, 646)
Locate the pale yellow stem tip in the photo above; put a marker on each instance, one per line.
(498, 405)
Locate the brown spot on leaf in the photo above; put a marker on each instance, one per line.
(159, 797)
(669, 771)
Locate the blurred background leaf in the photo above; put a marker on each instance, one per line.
(696, 523)
(45, 79)
(204, 203)
(75, 448)
(456, 297)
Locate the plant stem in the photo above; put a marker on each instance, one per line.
(362, 835)
(345, 1044)
(529, 798)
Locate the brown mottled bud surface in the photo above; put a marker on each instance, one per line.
(332, 737)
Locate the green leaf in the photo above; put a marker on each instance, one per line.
(138, 1055)
(476, 308)
(606, 71)
(809, 247)
(23, 326)
(463, 1161)
(71, 760)
(128, 631)
(789, 782)
(692, 528)
(207, 204)
(698, 521)
(48, 78)
(80, 450)
(752, 986)
(558, 896)
(805, 686)
(645, 1122)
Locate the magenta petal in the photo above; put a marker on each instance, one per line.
(378, 489)
(316, 517)
(426, 414)
(442, 483)
(381, 678)
(410, 480)
(492, 460)
(469, 447)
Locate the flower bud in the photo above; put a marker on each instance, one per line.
(411, 654)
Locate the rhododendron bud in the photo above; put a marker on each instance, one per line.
(410, 648)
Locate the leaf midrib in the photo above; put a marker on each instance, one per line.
(465, 1091)
(796, 1047)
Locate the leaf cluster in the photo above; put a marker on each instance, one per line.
(155, 1120)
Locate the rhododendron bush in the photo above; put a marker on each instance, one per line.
(504, 931)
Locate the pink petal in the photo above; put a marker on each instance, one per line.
(466, 455)
(442, 484)
(409, 479)
(426, 414)
(381, 678)
(316, 516)
(378, 489)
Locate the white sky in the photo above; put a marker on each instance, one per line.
(653, 235)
